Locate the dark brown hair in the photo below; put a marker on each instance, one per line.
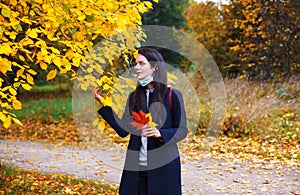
(138, 99)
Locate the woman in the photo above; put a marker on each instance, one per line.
(152, 164)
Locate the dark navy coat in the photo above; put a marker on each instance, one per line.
(164, 170)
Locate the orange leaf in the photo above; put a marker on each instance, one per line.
(137, 125)
(140, 119)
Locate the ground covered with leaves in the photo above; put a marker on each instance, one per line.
(261, 126)
(15, 181)
(283, 147)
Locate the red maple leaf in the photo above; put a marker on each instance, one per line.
(139, 119)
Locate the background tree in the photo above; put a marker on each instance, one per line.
(264, 37)
(166, 13)
(257, 38)
(205, 22)
(55, 36)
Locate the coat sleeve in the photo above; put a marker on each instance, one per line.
(121, 126)
(178, 130)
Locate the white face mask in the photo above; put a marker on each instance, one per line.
(145, 81)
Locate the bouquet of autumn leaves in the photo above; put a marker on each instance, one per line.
(140, 119)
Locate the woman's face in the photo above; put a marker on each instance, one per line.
(143, 67)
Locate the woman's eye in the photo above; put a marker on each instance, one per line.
(141, 64)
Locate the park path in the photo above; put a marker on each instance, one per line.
(206, 176)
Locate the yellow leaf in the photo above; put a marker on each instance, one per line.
(5, 13)
(31, 13)
(148, 4)
(235, 48)
(89, 70)
(17, 104)
(27, 41)
(107, 101)
(43, 65)
(155, 1)
(21, 58)
(152, 124)
(31, 161)
(20, 72)
(39, 1)
(101, 125)
(26, 86)
(17, 84)
(52, 74)
(95, 122)
(5, 49)
(81, 17)
(57, 61)
(54, 50)
(172, 76)
(12, 91)
(2, 117)
(13, 35)
(32, 72)
(44, 51)
(47, 59)
(7, 122)
(33, 33)
(13, 2)
(17, 121)
(66, 63)
(5, 65)
(30, 79)
(81, 162)
(52, 167)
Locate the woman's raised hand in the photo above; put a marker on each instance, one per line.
(97, 95)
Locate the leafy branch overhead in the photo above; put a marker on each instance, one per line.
(54, 36)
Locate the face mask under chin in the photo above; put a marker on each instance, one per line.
(148, 79)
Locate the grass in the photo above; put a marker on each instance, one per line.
(265, 113)
(47, 103)
(252, 109)
(18, 181)
(48, 88)
(46, 109)
(264, 124)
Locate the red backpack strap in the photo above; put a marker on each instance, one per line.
(170, 98)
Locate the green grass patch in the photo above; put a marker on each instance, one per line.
(51, 88)
(46, 109)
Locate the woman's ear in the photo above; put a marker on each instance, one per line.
(156, 67)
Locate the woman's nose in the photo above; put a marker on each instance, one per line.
(137, 66)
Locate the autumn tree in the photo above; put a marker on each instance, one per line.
(55, 36)
(205, 23)
(166, 13)
(264, 37)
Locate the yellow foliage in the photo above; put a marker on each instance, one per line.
(7, 121)
(5, 65)
(17, 104)
(58, 34)
(26, 86)
(51, 74)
